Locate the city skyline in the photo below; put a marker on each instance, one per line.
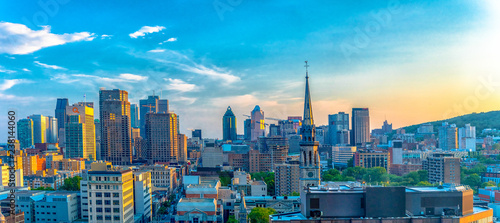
(410, 72)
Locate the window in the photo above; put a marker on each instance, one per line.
(116, 217)
(107, 210)
(107, 202)
(98, 210)
(107, 195)
(99, 217)
(116, 195)
(314, 203)
(98, 194)
(98, 202)
(116, 202)
(116, 210)
(107, 218)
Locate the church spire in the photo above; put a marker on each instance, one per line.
(307, 130)
(308, 116)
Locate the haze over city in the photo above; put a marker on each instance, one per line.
(409, 62)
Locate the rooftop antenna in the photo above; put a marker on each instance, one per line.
(85, 98)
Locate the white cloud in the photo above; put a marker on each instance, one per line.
(26, 69)
(145, 30)
(187, 100)
(173, 39)
(106, 36)
(215, 72)
(179, 85)
(49, 66)
(7, 84)
(3, 70)
(157, 51)
(14, 98)
(133, 77)
(19, 39)
(63, 78)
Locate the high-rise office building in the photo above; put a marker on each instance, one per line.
(360, 133)
(60, 112)
(39, 128)
(467, 138)
(52, 129)
(97, 125)
(151, 104)
(114, 113)
(143, 200)
(338, 129)
(161, 137)
(80, 132)
(229, 125)
(247, 129)
(448, 136)
(25, 133)
(134, 116)
(182, 140)
(196, 134)
(309, 156)
(258, 127)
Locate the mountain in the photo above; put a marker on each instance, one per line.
(481, 120)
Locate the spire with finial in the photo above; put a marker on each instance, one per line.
(307, 129)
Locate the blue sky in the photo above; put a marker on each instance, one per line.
(409, 61)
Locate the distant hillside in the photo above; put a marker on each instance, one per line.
(481, 120)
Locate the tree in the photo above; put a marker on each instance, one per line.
(350, 162)
(356, 172)
(295, 193)
(473, 180)
(331, 175)
(376, 174)
(260, 215)
(44, 188)
(488, 184)
(423, 183)
(71, 184)
(225, 178)
(232, 219)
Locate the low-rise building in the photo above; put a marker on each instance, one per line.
(57, 207)
(162, 176)
(198, 210)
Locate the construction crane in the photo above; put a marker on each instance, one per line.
(275, 119)
(149, 106)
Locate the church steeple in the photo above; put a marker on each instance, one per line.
(308, 130)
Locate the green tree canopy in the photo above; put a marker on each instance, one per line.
(260, 215)
(71, 184)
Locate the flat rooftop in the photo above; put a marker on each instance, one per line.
(197, 200)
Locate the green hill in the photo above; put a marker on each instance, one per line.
(481, 120)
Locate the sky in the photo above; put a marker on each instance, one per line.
(408, 61)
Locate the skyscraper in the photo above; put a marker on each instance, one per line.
(247, 129)
(153, 104)
(258, 127)
(309, 157)
(338, 129)
(60, 112)
(467, 138)
(52, 129)
(448, 136)
(229, 125)
(161, 137)
(80, 132)
(97, 131)
(39, 128)
(196, 133)
(360, 126)
(25, 133)
(114, 113)
(182, 141)
(134, 116)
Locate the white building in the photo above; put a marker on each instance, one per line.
(162, 176)
(111, 196)
(142, 196)
(467, 138)
(342, 154)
